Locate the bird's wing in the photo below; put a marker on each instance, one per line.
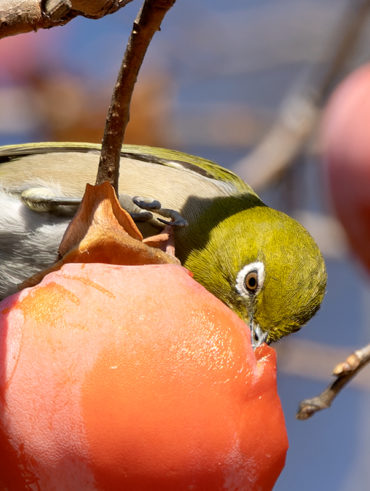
(191, 163)
(170, 176)
(154, 155)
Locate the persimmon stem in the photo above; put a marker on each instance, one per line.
(146, 24)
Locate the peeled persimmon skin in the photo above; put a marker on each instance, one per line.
(135, 378)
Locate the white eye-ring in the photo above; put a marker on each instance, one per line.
(249, 280)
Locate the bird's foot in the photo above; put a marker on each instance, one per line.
(45, 199)
(176, 220)
(166, 239)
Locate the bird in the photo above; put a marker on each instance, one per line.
(260, 262)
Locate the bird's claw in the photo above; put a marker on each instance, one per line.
(176, 220)
(141, 216)
(146, 204)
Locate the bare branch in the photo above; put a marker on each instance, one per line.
(344, 372)
(300, 112)
(146, 24)
(95, 9)
(19, 16)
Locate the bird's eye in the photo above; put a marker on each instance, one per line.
(249, 280)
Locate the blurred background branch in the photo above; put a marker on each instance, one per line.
(302, 357)
(344, 372)
(300, 111)
(18, 16)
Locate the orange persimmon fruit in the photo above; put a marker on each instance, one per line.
(345, 140)
(134, 378)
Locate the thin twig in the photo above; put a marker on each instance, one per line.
(300, 112)
(146, 24)
(344, 372)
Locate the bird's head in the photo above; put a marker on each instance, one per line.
(266, 267)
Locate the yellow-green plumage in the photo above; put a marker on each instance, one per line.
(229, 226)
(294, 285)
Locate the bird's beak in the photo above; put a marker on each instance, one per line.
(257, 334)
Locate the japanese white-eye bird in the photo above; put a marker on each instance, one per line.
(260, 262)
